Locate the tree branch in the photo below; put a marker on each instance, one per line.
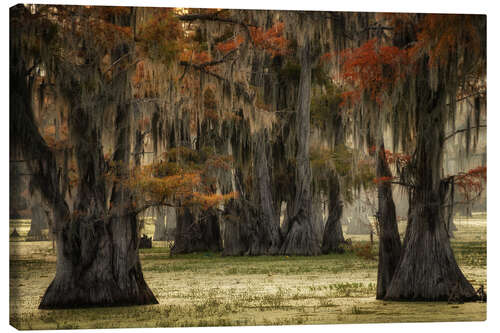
(216, 18)
(461, 131)
(402, 184)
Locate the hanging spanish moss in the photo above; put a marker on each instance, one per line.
(245, 132)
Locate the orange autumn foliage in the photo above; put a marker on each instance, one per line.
(372, 69)
(230, 45)
(440, 35)
(211, 200)
(184, 176)
(176, 186)
(272, 40)
(194, 57)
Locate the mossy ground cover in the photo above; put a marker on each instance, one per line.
(205, 289)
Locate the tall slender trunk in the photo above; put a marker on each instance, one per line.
(389, 242)
(300, 238)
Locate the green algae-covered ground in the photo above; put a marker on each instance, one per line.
(205, 289)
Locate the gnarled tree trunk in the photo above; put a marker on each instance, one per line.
(427, 269)
(97, 251)
(98, 258)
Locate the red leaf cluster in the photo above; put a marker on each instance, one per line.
(441, 35)
(271, 40)
(471, 183)
(372, 68)
(381, 180)
(391, 157)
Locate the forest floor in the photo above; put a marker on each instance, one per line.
(206, 289)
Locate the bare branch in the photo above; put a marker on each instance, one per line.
(461, 131)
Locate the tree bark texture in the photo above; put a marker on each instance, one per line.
(192, 235)
(236, 241)
(97, 251)
(299, 237)
(265, 237)
(427, 269)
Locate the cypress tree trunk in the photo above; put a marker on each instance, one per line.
(251, 226)
(427, 269)
(317, 216)
(333, 236)
(97, 251)
(17, 202)
(39, 219)
(236, 221)
(299, 238)
(359, 223)
(265, 237)
(235, 231)
(389, 242)
(39, 222)
(160, 233)
(170, 223)
(98, 258)
(211, 230)
(193, 235)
